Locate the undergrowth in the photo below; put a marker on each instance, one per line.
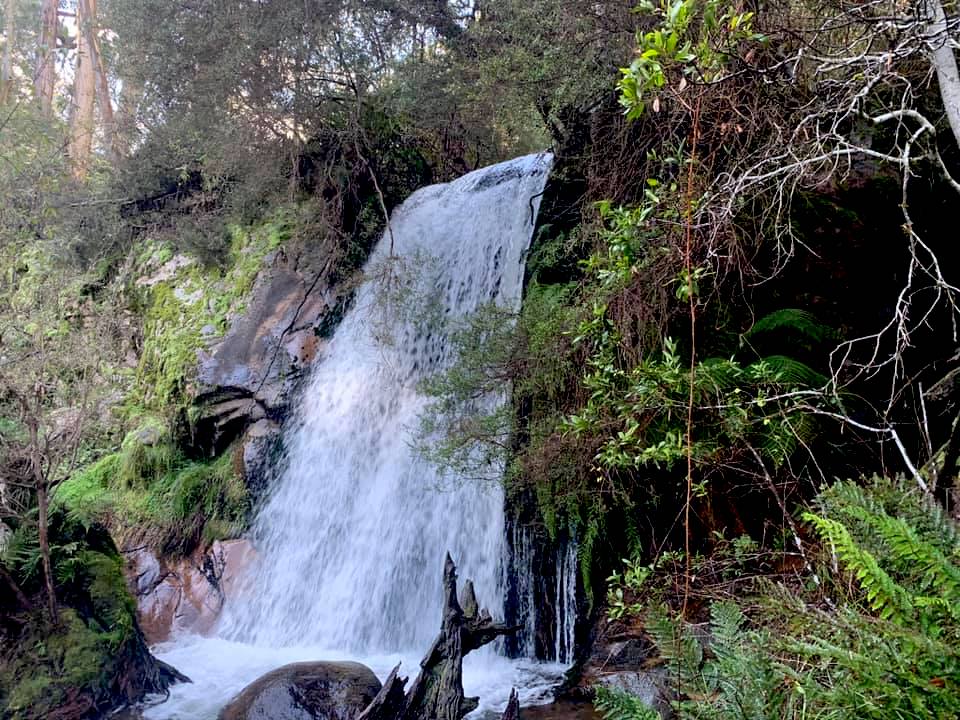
(173, 505)
(95, 654)
(876, 635)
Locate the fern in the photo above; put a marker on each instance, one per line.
(618, 705)
(912, 546)
(897, 497)
(716, 375)
(677, 645)
(792, 372)
(883, 595)
(928, 563)
(800, 322)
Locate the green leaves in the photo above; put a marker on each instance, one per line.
(643, 411)
(883, 595)
(618, 705)
(905, 576)
(694, 40)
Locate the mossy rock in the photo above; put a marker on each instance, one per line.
(95, 659)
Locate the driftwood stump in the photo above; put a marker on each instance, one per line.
(513, 707)
(437, 693)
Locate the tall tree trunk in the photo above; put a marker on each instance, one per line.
(9, 33)
(84, 91)
(105, 103)
(945, 63)
(126, 116)
(45, 73)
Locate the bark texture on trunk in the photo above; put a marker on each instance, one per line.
(45, 74)
(104, 101)
(84, 91)
(9, 34)
(944, 61)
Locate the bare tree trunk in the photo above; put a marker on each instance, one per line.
(945, 63)
(437, 693)
(44, 533)
(84, 91)
(92, 41)
(45, 74)
(9, 32)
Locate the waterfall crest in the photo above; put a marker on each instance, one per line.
(352, 537)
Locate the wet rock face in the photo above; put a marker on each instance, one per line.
(623, 658)
(250, 375)
(187, 594)
(306, 691)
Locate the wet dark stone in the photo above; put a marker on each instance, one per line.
(306, 691)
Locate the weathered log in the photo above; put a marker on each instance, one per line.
(437, 693)
(512, 711)
(390, 702)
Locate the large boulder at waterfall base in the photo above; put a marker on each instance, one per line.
(306, 691)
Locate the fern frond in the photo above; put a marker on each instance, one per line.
(928, 518)
(791, 371)
(677, 644)
(883, 595)
(715, 375)
(618, 705)
(726, 621)
(801, 322)
(925, 562)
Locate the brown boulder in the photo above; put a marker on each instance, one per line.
(185, 595)
(306, 691)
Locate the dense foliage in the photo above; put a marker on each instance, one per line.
(739, 289)
(877, 638)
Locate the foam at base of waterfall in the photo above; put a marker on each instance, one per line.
(221, 668)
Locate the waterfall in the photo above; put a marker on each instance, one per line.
(566, 606)
(352, 536)
(532, 592)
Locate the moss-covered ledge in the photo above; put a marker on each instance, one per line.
(94, 659)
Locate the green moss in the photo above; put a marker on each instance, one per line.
(89, 493)
(190, 502)
(84, 655)
(111, 601)
(146, 453)
(180, 311)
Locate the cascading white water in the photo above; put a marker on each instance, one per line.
(528, 595)
(566, 594)
(352, 538)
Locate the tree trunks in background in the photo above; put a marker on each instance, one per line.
(84, 90)
(45, 77)
(9, 34)
(944, 62)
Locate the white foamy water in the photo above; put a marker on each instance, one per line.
(352, 538)
(222, 668)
